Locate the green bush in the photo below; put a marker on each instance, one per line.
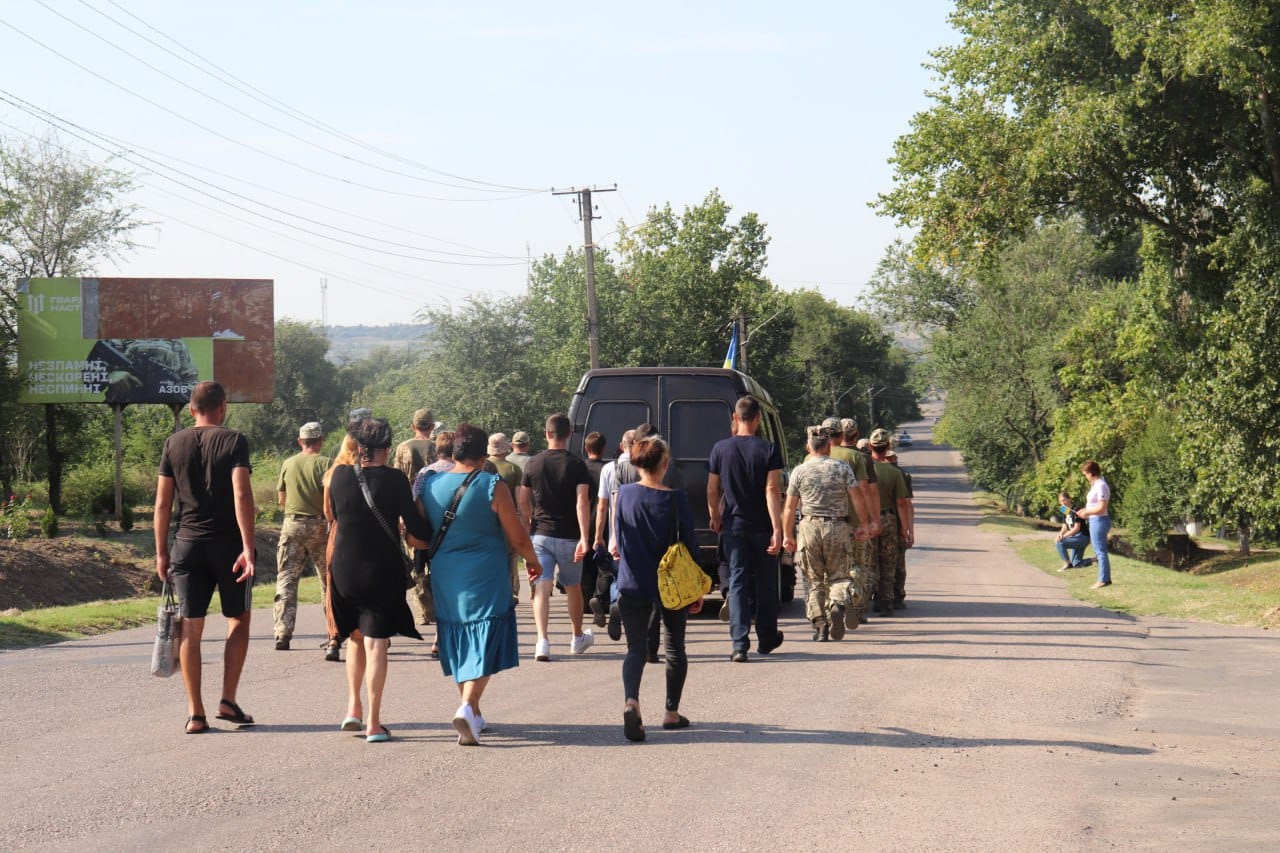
(1157, 488)
(49, 523)
(91, 488)
(126, 518)
(16, 521)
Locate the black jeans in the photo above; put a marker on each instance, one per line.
(637, 615)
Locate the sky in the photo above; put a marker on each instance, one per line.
(406, 151)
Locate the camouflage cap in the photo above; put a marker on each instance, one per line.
(849, 427)
(862, 444)
(520, 437)
(817, 435)
(831, 425)
(357, 415)
(423, 419)
(880, 438)
(311, 429)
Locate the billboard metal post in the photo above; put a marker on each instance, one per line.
(118, 411)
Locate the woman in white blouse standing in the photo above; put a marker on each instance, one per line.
(1096, 510)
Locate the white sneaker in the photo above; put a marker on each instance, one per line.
(542, 651)
(466, 725)
(582, 643)
(481, 725)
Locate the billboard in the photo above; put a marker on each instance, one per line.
(144, 340)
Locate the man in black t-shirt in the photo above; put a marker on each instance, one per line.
(207, 468)
(744, 500)
(553, 493)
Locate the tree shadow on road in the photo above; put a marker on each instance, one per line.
(718, 731)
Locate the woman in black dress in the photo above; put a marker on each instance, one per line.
(367, 568)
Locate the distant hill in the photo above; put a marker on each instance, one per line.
(352, 343)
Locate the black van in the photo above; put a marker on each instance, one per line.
(692, 408)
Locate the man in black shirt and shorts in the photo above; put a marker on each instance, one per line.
(206, 467)
(553, 494)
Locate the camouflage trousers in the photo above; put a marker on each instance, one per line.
(900, 577)
(302, 540)
(825, 555)
(888, 547)
(863, 572)
(420, 593)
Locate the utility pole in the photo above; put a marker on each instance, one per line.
(587, 212)
(741, 319)
(872, 391)
(324, 306)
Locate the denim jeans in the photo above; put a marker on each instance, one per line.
(1099, 527)
(1076, 543)
(753, 573)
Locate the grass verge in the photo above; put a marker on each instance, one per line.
(56, 624)
(1238, 591)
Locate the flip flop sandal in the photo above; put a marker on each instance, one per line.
(197, 718)
(381, 737)
(352, 724)
(681, 723)
(237, 715)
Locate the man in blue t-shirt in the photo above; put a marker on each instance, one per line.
(744, 499)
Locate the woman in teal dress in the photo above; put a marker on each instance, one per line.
(475, 612)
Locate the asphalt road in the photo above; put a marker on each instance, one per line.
(996, 713)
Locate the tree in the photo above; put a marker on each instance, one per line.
(928, 295)
(1000, 362)
(666, 297)
(59, 215)
(1145, 112)
(840, 354)
(1151, 113)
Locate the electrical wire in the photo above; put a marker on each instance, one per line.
(249, 90)
(290, 134)
(169, 217)
(13, 101)
(213, 132)
(51, 118)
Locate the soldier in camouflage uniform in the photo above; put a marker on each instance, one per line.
(823, 489)
(412, 455)
(304, 533)
(133, 370)
(862, 570)
(900, 574)
(895, 516)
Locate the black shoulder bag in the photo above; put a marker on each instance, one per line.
(449, 515)
(409, 582)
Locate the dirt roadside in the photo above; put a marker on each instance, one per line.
(78, 568)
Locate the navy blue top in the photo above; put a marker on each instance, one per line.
(646, 529)
(743, 463)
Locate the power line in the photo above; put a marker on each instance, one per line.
(292, 163)
(311, 267)
(12, 100)
(133, 147)
(277, 256)
(295, 136)
(266, 99)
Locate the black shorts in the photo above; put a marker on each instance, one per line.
(197, 568)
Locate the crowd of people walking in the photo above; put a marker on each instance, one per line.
(448, 518)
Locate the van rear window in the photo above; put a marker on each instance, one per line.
(696, 425)
(612, 418)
